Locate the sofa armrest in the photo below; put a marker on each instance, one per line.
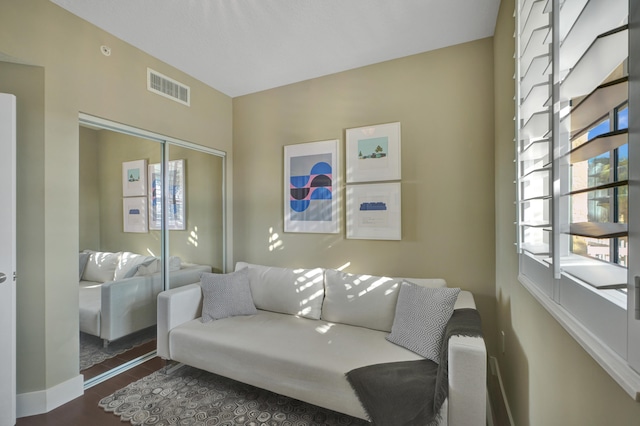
(467, 381)
(128, 305)
(176, 306)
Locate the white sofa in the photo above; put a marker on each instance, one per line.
(311, 327)
(118, 291)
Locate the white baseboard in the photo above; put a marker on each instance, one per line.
(40, 402)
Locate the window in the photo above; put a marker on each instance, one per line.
(573, 174)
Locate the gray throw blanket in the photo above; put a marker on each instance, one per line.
(411, 392)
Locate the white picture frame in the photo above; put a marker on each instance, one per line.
(374, 211)
(134, 178)
(135, 214)
(311, 187)
(373, 153)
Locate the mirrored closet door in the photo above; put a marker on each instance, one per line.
(151, 218)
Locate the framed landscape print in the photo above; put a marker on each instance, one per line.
(134, 178)
(311, 202)
(373, 153)
(373, 211)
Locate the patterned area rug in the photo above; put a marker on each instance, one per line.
(188, 396)
(92, 351)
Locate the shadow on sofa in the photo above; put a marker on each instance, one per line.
(118, 291)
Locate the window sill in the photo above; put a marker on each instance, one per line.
(611, 362)
(596, 273)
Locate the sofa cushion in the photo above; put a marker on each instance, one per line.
(101, 266)
(284, 290)
(364, 300)
(421, 317)
(226, 295)
(129, 263)
(299, 357)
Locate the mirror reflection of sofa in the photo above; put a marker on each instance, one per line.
(118, 291)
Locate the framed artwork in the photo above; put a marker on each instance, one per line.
(176, 216)
(373, 211)
(134, 178)
(373, 153)
(311, 202)
(135, 214)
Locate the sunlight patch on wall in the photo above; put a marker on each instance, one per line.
(274, 240)
(193, 237)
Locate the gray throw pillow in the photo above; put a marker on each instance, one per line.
(226, 295)
(421, 317)
(84, 257)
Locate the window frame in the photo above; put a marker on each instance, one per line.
(602, 321)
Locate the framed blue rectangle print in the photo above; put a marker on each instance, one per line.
(311, 187)
(374, 211)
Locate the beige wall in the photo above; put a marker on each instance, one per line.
(549, 379)
(78, 78)
(444, 101)
(102, 154)
(89, 189)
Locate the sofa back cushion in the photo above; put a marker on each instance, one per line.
(101, 266)
(288, 291)
(365, 300)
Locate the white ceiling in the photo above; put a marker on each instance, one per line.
(245, 46)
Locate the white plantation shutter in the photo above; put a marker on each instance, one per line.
(576, 178)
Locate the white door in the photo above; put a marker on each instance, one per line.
(7, 260)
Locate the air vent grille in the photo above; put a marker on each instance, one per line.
(168, 87)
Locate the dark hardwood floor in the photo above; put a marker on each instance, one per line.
(84, 411)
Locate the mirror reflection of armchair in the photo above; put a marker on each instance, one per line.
(118, 291)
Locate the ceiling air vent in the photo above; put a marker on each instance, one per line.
(168, 87)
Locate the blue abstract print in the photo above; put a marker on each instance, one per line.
(311, 188)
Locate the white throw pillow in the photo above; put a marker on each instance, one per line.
(421, 318)
(129, 263)
(148, 268)
(153, 265)
(101, 266)
(226, 295)
(364, 300)
(288, 291)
